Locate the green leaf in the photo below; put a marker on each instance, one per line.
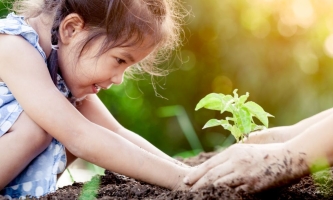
(90, 189)
(236, 133)
(243, 98)
(255, 127)
(242, 113)
(230, 119)
(212, 101)
(227, 126)
(258, 112)
(235, 93)
(227, 104)
(243, 120)
(215, 122)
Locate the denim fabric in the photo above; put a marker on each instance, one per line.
(40, 176)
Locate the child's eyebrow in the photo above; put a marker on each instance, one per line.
(128, 56)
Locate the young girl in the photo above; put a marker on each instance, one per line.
(55, 56)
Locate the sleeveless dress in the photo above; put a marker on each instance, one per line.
(40, 176)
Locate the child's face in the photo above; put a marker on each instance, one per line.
(89, 73)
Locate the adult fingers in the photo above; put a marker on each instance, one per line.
(230, 180)
(202, 169)
(245, 183)
(249, 188)
(213, 175)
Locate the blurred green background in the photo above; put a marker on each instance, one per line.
(280, 51)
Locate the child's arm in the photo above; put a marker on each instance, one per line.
(285, 133)
(26, 74)
(95, 111)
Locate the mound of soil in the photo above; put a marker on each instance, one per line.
(113, 186)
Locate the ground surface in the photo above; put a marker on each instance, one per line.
(114, 186)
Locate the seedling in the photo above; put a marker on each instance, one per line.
(90, 188)
(241, 123)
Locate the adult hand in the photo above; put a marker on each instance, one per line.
(251, 168)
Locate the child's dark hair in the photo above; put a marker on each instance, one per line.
(120, 21)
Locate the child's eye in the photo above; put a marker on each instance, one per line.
(120, 61)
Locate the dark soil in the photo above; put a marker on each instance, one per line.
(115, 186)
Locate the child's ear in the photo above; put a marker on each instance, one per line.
(69, 27)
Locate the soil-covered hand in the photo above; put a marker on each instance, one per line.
(271, 135)
(251, 168)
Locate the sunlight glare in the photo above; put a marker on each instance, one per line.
(328, 46)
(304, 12)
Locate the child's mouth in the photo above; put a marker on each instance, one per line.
(96, 88)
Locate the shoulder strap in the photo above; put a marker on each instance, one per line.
(15, 25)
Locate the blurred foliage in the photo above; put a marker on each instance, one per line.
(280, 51)
(4, 5)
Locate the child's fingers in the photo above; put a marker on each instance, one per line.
(203, 168)
(195, 175)
(212, 175)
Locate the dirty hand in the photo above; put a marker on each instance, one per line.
(181, 186)
(251, 168)
(178, 182)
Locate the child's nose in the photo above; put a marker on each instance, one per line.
(118, 79)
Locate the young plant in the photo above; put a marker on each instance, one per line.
(90, 188)
(241, 123)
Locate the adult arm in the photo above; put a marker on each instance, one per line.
(257, 167)
(285, 133)
(30, 82)
(94, 110)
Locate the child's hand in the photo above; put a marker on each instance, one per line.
(180, 185)
(251, 168)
